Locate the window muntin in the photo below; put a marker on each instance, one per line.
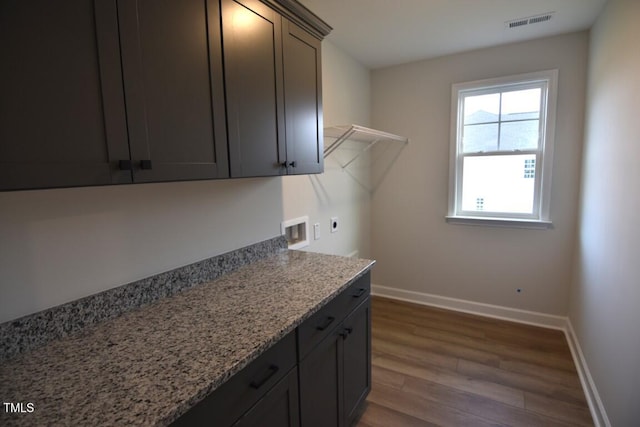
(502, 143)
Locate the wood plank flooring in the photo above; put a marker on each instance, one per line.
(434, 367)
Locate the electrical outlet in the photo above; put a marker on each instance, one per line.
(334, 224)
(316, 231)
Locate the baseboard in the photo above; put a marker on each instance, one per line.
(596, 407)
(471, 307)
(598, 413)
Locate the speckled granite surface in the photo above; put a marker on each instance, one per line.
(32, 331)
(150, 365)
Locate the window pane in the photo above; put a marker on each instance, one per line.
(481, 108)
(477, 138)
(521, 104)
(519, 135)
(497, 184)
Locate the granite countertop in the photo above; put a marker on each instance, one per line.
(151, 365)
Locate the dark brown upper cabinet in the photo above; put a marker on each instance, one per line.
(274, 92)
(302, 100)
(173, 85)
(98, 92)
(62, 114)
(105, 92)
(252, 47)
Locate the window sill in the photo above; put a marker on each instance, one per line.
(500, 222)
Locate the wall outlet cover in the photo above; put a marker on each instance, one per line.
(333, 225)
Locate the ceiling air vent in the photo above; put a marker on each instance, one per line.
(521, 22)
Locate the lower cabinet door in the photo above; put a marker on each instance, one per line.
(278, 408)
(321, 384)
(357, 362)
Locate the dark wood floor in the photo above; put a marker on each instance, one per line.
(434, 367)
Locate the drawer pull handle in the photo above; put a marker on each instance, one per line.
(326, 323)
(360, 292)
(260, 382)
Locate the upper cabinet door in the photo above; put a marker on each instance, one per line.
(173, 80)
(303, 100)
(252, 47)
(62, 118)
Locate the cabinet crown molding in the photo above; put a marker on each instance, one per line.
(302, 16)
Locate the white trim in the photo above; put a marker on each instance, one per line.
(500, 222)
(472, 307)
(547, 80)
(596, 407)
(598, 412)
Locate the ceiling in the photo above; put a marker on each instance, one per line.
(380, 33)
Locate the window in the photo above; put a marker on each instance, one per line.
(502, 150)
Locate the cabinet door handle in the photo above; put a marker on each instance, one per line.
(261, 381)
(329, 320)
(292, 164)
(360, 292)
(146, 164)
(345, 333)
(125, 165)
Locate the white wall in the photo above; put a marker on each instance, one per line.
(60, 245)
(346, 99)
(415, 248)
(605, 296)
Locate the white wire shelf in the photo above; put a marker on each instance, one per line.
(365, 154)
(358, 140)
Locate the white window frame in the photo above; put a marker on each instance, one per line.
(540, 218)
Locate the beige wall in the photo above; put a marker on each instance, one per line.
(415, 248)
(60, 245)
(605, 296)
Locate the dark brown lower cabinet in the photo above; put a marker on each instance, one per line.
(268, 377)
(335, 377)
(320, 384)
(357, 361)
(316, 376)
(278, 408)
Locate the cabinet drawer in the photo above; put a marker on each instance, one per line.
(353, 296)
(318, 326)
(231, 400)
